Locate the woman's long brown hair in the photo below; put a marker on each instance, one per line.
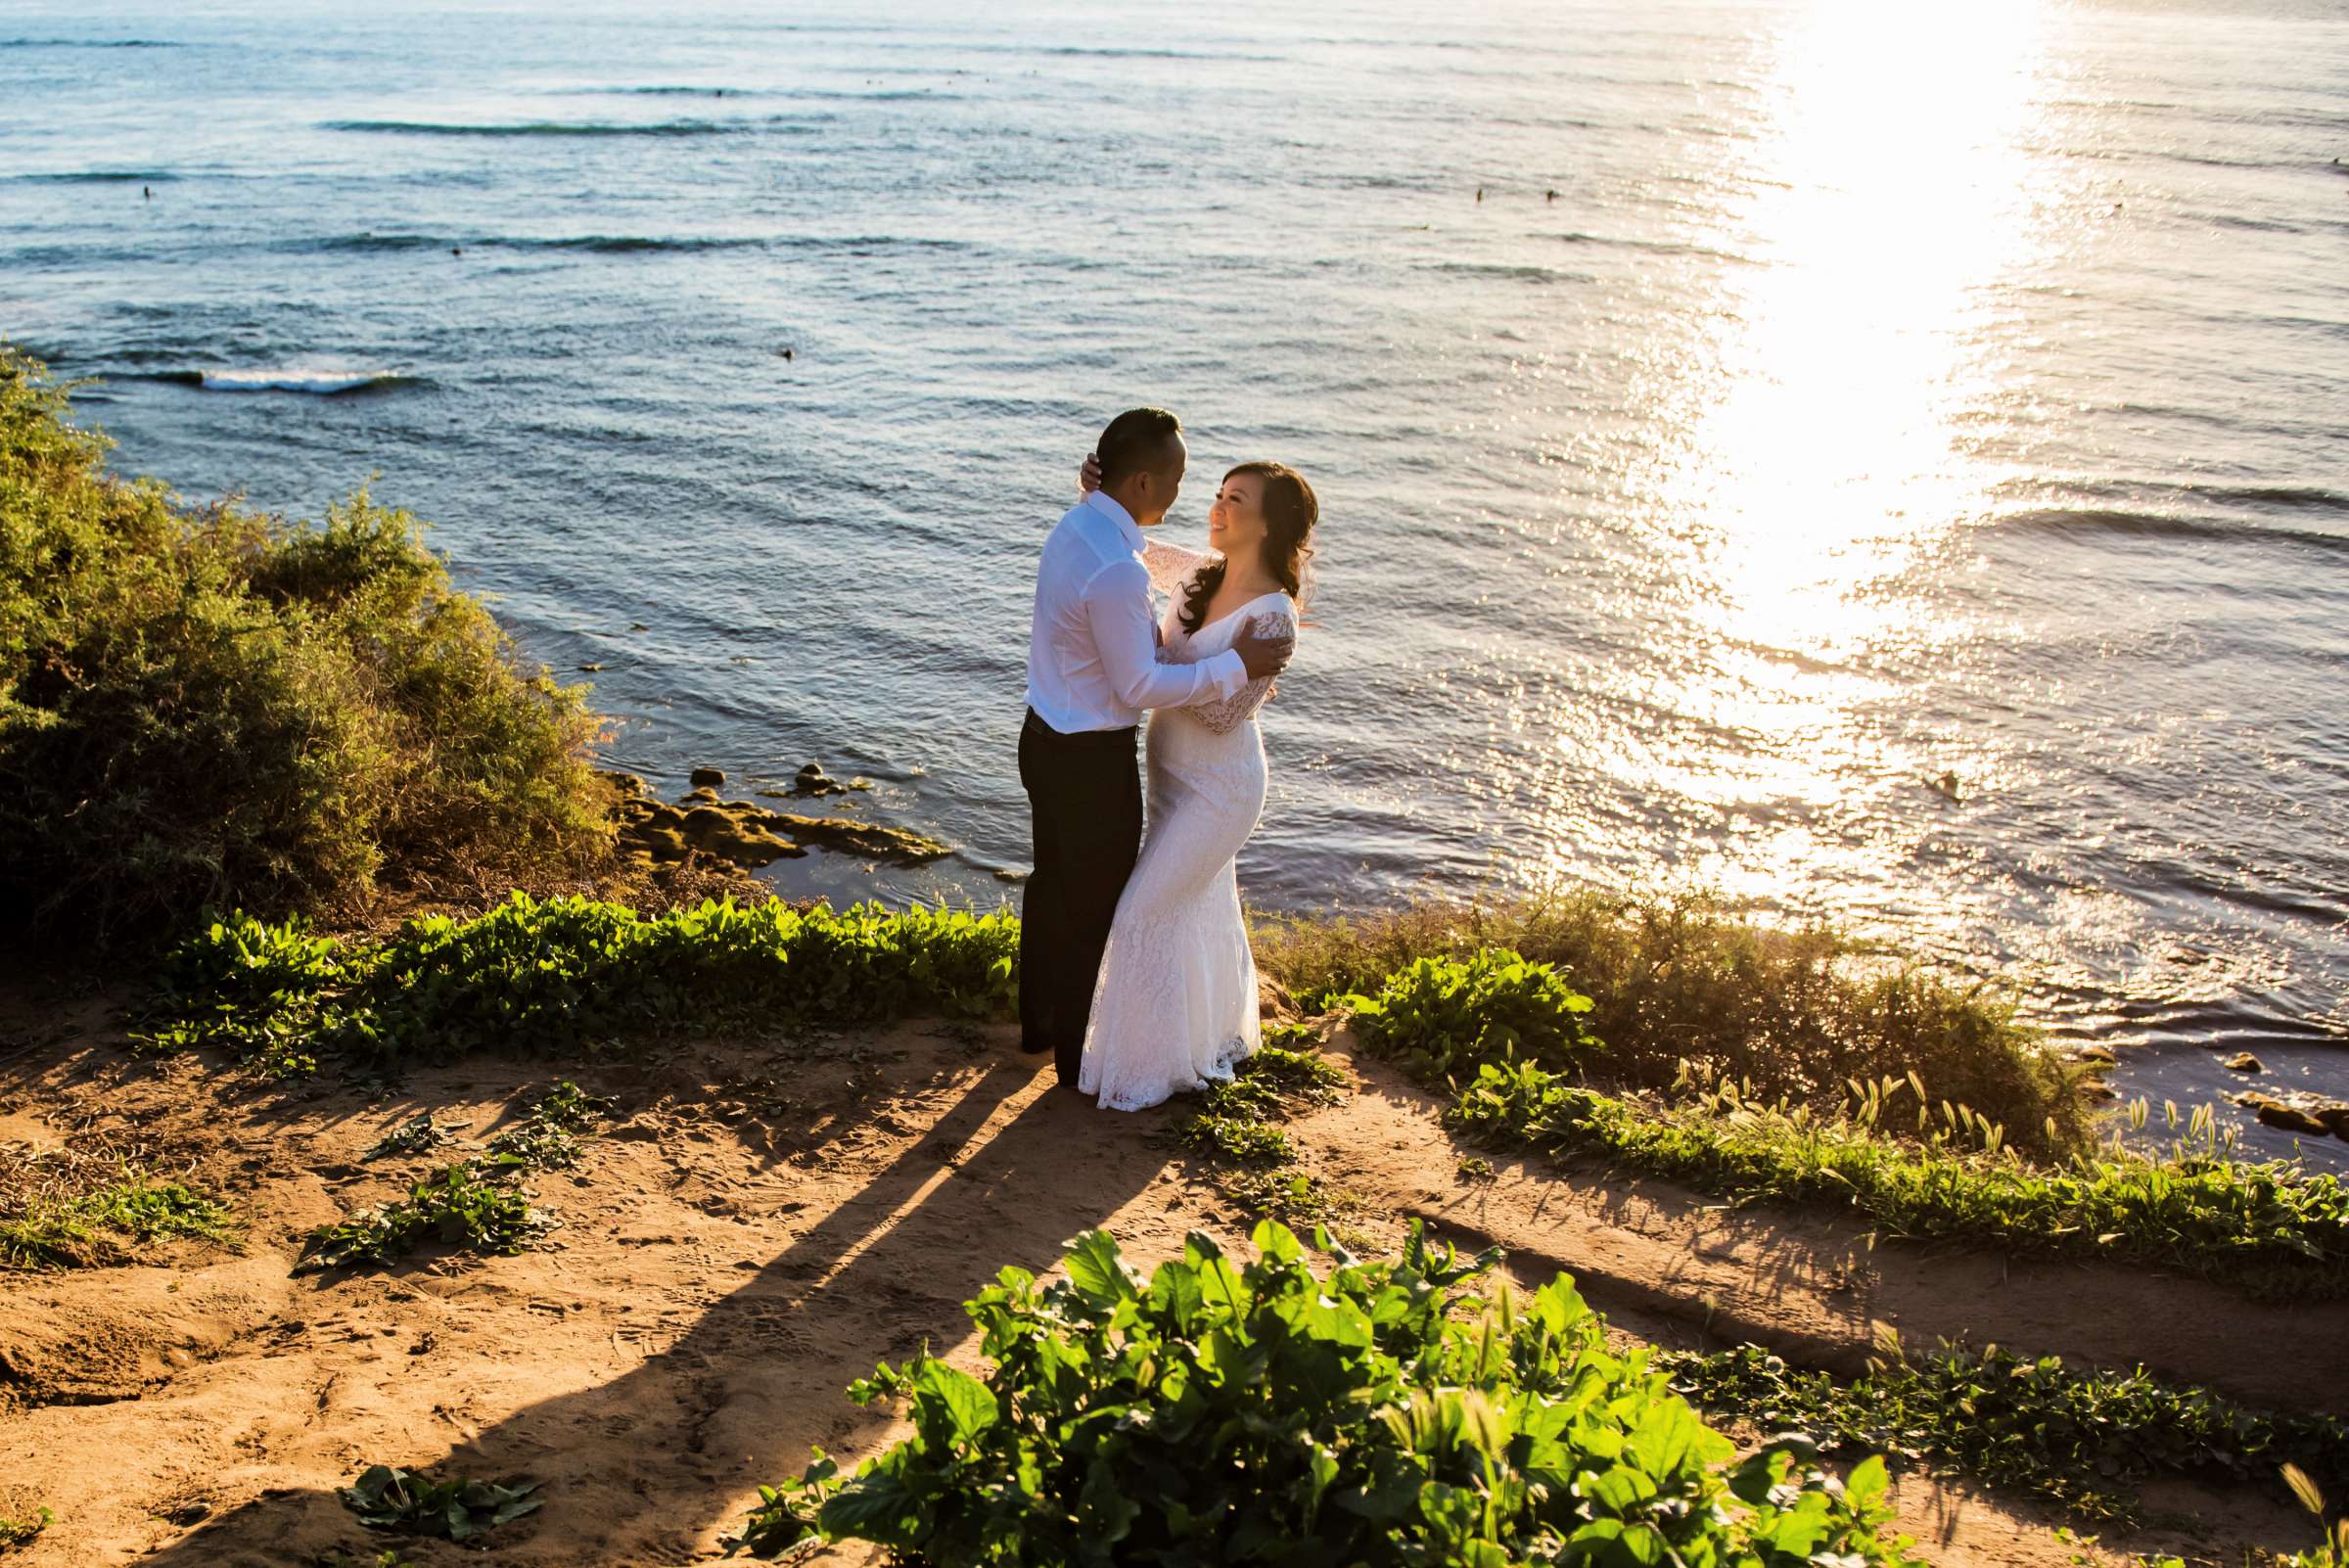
(1290, 512)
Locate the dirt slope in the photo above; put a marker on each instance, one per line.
(762, 1223)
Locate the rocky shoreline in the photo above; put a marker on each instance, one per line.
(654, 833)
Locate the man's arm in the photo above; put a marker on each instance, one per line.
(1117, 605)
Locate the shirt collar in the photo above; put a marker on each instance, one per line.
(1101, 502)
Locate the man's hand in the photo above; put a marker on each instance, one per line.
(1088, 475)
(1262, 655)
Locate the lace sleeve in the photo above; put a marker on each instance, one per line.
(1169, 564)
(1223, 715)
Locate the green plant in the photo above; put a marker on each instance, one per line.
(91, 1227)
(1680, 978)
(548, 1138)
(19, 1531)
(456, 1206)
(1439, 1016)
(2086, 1439)
(2271, 1231)
(418, 1134)
(459, 1508)
(1377, 1415)
(571, 975)
(212, 706)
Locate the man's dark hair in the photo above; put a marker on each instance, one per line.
(1137, 441)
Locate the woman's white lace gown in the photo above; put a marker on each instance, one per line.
(1176, 1004)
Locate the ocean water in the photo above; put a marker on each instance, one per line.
(1886, 462)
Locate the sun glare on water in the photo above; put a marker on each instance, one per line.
(1820, 425)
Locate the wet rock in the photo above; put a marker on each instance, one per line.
(2291, 1118)
(703, 793)
(2243, 1062)
(2336, 1118)
(812, 782)
(899, 845)
(2094, 1053)
(710, 776)
(625, 785)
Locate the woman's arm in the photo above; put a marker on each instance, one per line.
(1223, 715)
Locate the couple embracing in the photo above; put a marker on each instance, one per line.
(1134, 968)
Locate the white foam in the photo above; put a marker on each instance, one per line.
(292, 379)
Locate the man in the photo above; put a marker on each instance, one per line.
(1092, 667)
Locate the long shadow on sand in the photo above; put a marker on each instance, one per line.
(757, 1377)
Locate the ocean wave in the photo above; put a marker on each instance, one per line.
(2267, 497)
(555, 127)
(319, 382)
(1515, 274)
(2060, 519)
(99, 176)
(87, 43)
(611, 244)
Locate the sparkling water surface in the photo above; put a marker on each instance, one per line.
(1885, 462)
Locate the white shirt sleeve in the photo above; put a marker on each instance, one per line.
(1117, 605)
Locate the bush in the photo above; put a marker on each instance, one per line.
(206, 706)
(1213, 1415)
(1794, 1013)
(1440, 1016)
(567, 975)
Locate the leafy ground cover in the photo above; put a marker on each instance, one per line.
(2272, 1232)
(2084, 1438)
(568, 975)
(1403, 1412)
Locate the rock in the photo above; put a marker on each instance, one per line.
(710, 776)
(661, 843)
(590, 669)
(2334, 1116)
(2243, 1062)
(2096, 1088)
(901, 846)
(702, 793)
(811, 781)
(704, 821)
(750, 848)
(627, 785)
(2291, 1118)
(2096, 1053)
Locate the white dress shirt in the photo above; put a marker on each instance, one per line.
(1092, 647)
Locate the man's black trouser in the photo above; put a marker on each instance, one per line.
(1085, 802)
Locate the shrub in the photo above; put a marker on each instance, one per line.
(1680, 979)
(1268, 1414)
(1440, 1016)
(2270, 1230)
(201, 707)
(567, 975)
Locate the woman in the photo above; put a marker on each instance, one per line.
(1176, 1002)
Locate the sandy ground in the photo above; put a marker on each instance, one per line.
(763, 1221)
